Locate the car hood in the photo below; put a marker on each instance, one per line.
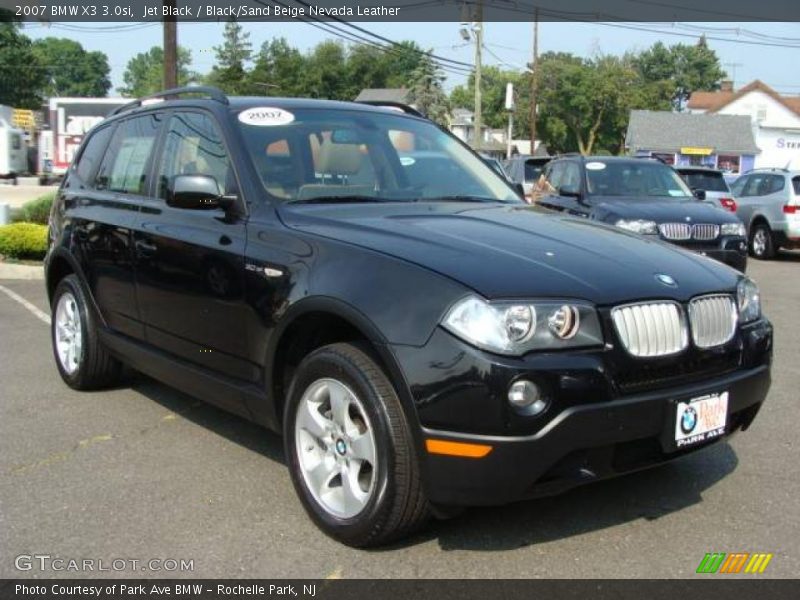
(663, 211)
(514, 251)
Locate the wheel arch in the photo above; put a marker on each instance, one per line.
(60, 264)
(317, 321)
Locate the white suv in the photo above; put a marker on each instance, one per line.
(768, 203)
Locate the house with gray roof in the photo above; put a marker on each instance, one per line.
(723, 142)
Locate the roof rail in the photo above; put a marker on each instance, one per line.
(212, 92)
(772, 169)
(409, 110)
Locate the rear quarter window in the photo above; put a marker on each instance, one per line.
(124, 167)
(796, 185)
(92, 155)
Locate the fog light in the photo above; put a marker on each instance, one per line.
(526, 397)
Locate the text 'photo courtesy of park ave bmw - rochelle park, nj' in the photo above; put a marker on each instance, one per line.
(449, 298)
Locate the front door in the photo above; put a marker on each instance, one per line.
(190, 262)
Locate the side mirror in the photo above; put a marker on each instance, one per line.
(699, 194)
(197, 192)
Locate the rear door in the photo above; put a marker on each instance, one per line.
(190, 262)
(102, 192)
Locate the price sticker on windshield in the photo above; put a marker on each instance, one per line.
(266, 116)
(595, 166)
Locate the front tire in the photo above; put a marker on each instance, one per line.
(82, 361)
(350, 451)
(762, 243)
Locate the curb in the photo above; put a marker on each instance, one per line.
(15, 271)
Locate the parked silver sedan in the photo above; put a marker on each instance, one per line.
(768, 203)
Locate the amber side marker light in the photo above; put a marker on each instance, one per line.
(457, 448)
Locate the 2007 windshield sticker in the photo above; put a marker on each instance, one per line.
(266, 116)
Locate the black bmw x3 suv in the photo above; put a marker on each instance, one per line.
(358, 279)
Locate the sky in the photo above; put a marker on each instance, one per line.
(507, 44)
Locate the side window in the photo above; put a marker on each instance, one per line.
(777, 184)
(572, 176)
(555, 176)
(737, 188)
(753, 186)
(193, 146)
(91, 156)
(124, 167)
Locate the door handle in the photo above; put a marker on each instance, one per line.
(145, 249)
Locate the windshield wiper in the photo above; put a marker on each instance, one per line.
(337, 200)
(463, 198)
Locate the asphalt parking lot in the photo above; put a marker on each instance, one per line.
(145, 472)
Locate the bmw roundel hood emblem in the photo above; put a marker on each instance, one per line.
(666, 280)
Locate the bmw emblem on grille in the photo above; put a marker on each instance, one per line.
(688, 420)
(666, 280)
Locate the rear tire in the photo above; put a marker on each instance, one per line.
(82, 361)
(762, 242)
(361, 495)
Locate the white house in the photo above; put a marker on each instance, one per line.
(775, 119)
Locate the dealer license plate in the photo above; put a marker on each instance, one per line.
(701, 419)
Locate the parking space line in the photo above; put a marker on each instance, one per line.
(37, 312)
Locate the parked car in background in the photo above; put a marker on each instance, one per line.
(526, 170)
(647, 197)
(712, 182)
(768, 203)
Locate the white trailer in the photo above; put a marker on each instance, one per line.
(13, 152)
(69, 120)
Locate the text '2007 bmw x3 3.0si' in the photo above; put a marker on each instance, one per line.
(359, 279)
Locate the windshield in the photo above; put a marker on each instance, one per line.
(710, 181)
(323, 155)
(634, 179)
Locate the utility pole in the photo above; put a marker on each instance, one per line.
(733, 66)
(478, 116)
(534, 78)
(170, 47)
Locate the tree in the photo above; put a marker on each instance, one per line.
(71, 70)
(144, 73)
(229, 74)
(327, 72)
(278, 71)
(686, 68)
(583, 102)
(427, 93)
(22, 75)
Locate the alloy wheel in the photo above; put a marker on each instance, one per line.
(69, 334)
(759, 242)
(336, 448)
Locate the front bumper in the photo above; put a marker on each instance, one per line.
(731, 251)
(583, 444)
(609, 413)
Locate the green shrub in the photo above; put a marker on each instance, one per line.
(35, 211)
(23, 240)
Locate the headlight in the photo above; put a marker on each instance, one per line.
(732, 229)
(515, 328)
(638, 226)
(749, 300)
